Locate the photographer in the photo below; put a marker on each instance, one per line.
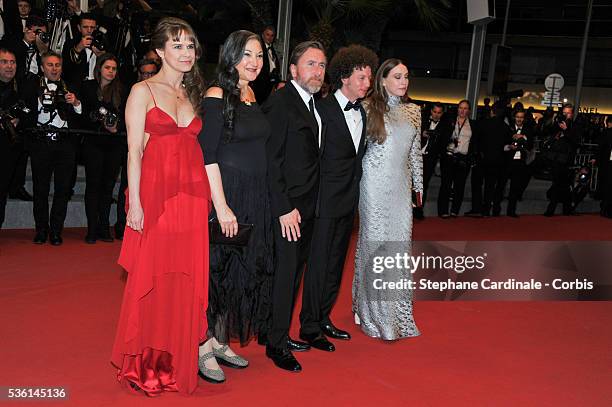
(53, 105)
(434, 128)
(604, 164)
(517, 150)
(81, 53)
(559, 151)
(103, 106)
(29, 47)
(11, 143)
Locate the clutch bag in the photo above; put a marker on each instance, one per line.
(216, 236)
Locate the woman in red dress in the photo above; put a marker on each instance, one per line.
(165, 246)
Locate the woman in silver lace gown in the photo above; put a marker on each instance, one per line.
(392, 168)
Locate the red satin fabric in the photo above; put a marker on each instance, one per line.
(163, 314)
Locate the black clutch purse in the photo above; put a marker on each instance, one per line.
(216, 236)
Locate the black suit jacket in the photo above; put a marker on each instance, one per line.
(293, 154)
(20, 49)
(605, 147)
(489, 140)
(437, 138)
(341, 165)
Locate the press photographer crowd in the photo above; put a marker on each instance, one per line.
(65, 76)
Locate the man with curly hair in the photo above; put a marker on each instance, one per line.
(344, 120)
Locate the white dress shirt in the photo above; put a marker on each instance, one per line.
(306, 96)
(44, 117)
(352, 117)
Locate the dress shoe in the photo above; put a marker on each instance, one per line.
(318, 341)
(548, 213)
(21, 194)
(90, 239)
(444, 216)
(40, 237)
(453, 215)
(55, 239)
(473, 214)
(331, 331)
(283, 359)
(235, 362)
(513, 215)
(297, 346)
(105, 236)
(215, 376)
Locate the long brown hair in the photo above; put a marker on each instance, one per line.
(113, 92)
(171, 28)
(377, 102)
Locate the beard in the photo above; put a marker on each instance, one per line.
(312, 85)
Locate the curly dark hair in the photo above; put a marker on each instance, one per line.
(346, 60)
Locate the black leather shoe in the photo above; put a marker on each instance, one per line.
(513, 215)
(473, 214)
(105, 236)
(331, 331)
(55, 239)
(21, 194)
(40, 237)
(90, 239)
(283, 359)
(318, 341)
(297, 346)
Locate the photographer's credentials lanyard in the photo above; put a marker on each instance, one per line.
(91, 63)
(31, 61)
(457, 136)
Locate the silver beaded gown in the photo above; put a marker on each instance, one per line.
(390, 172)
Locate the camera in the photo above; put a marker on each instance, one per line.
(52, 99)
(6, 116)
(105, 116)
(98, 39)
(43, 36)
(519, 144)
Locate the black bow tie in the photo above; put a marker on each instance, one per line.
(435, 121)
(56, 83)
(351, 105)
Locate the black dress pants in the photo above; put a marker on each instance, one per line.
(560, 190)
(9, 162)
(487, 181)
(19, 175)
(123, 184)
(517, 173)
(330, 241)
(429, 167)
(605, 182)
(55, 158)
(102, 161)
(454, 174)
(288, 269)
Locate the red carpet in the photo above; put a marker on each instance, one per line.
(59, 307)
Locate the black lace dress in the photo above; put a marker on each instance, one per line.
(240, 277)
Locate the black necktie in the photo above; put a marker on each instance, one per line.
(312, 113)
(351, 105)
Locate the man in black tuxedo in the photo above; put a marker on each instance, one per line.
(517, 150)
(29, 48)
(53, 153)
(489, 141)
(434, 129)
(270, 72)
(293, 169)
(350, 72)
(80, 54)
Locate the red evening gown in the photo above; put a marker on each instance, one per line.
(163, 314)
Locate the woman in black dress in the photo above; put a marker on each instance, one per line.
(103, 106)
(233, 139)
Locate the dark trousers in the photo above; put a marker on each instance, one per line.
(123, 183)
(9, 161)
(605, 184)
(57, 158)
(517, 173)
(330, 241)
(492, 178)
(429, 168)
(102, 163)
(19, 175)
(288, 269)
(454, 173)
(560, 190)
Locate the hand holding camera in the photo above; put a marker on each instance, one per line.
(72, 99)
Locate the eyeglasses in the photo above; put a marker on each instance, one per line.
(147, 74)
